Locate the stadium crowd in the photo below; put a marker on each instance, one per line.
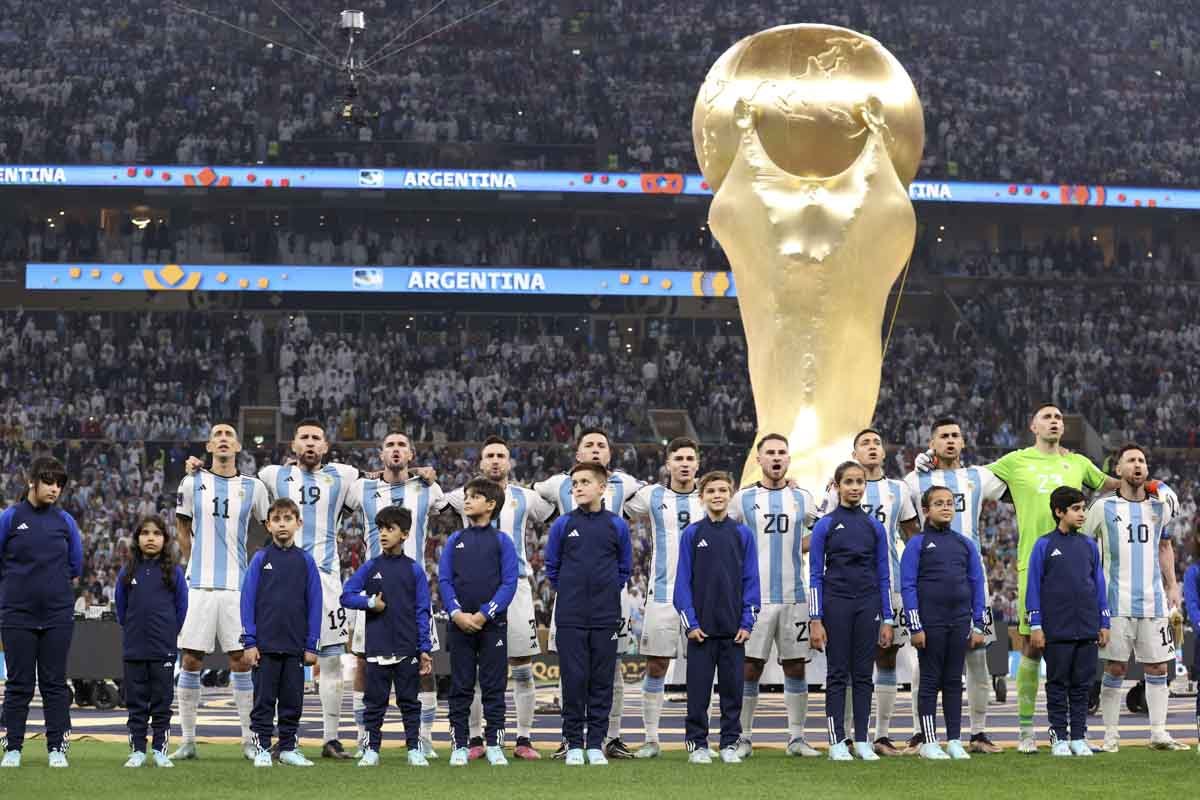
(608, 86)
(126, 436)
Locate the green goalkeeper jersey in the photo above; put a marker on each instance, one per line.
(1031, 476)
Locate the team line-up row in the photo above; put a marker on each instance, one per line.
(727, 586)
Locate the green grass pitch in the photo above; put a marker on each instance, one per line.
(222, 773)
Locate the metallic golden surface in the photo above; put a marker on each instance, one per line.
(809, 136)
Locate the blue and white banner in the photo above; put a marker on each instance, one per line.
(627, 183)
(439, 279)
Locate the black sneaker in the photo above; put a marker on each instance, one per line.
(615, 748)
(333, 749)
(913, 746)
(561, 752)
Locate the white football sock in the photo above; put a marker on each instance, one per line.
(1110, 705)
(795, 697)
(428, 712)
(243, 698)
(524, 699)
(749, 706)
(618, 702)
(652, 703)
(1157, 697)
(189, 702)
(885, 701)
(979, 689)
(330, 688)
(475, 722)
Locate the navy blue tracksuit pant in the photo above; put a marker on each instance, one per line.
(587, 659)
(478, 657)
(278, 685)
(942, 660)
(37, 656)
(149, 690)
(1070, 670)
(405, 677)
(852, 628)
(727, 660)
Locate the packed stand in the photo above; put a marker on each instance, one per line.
(137, 81)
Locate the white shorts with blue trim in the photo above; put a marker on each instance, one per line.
(214, 621)
(335, 629)
(782, 626)
(662, 632)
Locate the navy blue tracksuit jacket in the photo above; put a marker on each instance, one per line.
(151, 615)
(1065, 595)
(941, 581)
(40, 552)
(283, 629)
(399, 634)
(478, 573)
(717, 591)
(849, 590)
(589, 558)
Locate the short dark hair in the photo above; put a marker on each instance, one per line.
(680, 442)
(284, 504)
(490, 490)
(396, 433)
(1063, 498)
(227, 424)
(48, 469)
(308, 423)
(845, 466)
(942, 422)
(1037, 409)
(590, 466)
(586, 432)
(394, 517)
(715, 475)
(1125, 448)
(769, 437)
(863, 433)
(493, 439)
(930, 492)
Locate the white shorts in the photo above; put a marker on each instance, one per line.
(214, 621)
(900, 632)
(662, 631)
(357, 620)
(522, 623)
(624, 631)
(1149, 640)
(334, 628)
(783, 626)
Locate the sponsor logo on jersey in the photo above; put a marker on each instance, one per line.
(378, 576)
(268, 566)
(703, 543)
(573, 534)
(1056, 552)
(931, 546)
(460, 546)
(23, 526)
(839, 527)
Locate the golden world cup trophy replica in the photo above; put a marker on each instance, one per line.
(809, 136)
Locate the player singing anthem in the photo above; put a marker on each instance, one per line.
(971, 486)
(320, 491)
(890, 502)
(416, 491)
(521, 508)
(213, 509)
(1139, 565)
(670, 509)
(781, 518)
(594, 447)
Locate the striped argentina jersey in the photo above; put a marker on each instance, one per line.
(890, 502)
(669, 512)
(321, 496)
(556, 490)
(970, 486)
(220, 510)
(1129, 534)
(783, 517)
(369, 496)
(521, 507)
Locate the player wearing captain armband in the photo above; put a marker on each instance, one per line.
(1133, 530)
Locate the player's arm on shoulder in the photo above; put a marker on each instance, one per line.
(539, 509)
(262, 502)
(638, 505)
